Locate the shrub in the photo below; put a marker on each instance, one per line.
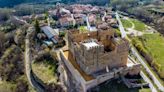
(139, 46)
(61, 34)
(117, 33)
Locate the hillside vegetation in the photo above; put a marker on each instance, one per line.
(149, 11)
(154, 44)
(11, 3)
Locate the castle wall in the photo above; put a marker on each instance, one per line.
(76, 76)
(81, 85)
(77, 37)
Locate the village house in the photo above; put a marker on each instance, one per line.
(66, 21)
(80, 19)
(77, 8)
(103, 26)
(95, 10)
(52, 34)
(92, 19)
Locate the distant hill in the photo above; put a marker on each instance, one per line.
(95, 2)
(8, 3)
(11, 3)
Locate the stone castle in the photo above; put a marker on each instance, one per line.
(96, 51)
(93, 58)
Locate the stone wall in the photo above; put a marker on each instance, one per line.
(135, 70)
(76, 36)
(76, 79)
(78, 84)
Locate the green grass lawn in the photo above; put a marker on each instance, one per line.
(154, 44)
(45, 71)
(126, 23)
(140, 26)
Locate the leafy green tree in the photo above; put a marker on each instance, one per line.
(123, 4)
(22, 85)
(62, 34)
(46, 15)
(11, 66)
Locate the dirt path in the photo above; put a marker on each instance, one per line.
(132, 29)
(136, 32)
(30, 75)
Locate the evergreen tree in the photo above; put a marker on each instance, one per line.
(37, 27)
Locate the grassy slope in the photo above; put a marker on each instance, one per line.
(126, 23)
(45, 71)
(7, 86)
(11, 87)
(140, 26)
(154, 43)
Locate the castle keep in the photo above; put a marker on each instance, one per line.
(96, 51)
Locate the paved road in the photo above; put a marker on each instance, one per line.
(122, 30)
(28, 68)
(88, 24)
(74, 21)
(155, 80)
(103, 18)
